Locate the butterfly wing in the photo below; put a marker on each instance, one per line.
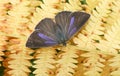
(43, 35)
(70, 23)
(62, 17)
(61, 20)
(75, 21)
(46, 23)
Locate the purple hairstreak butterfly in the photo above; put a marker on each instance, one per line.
(49, 32)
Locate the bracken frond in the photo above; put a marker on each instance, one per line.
(93, 63)
(3, 42)
(93, 29)
(18, 58)
(46, 9)
(73, 5)
(14, 28)
(19, 64)
(3, 38)
(3, 45)
(91, 4)
(112, 43)
(44, 62)
(115, 13)
(67, 61)
(115, 64)
(17, 19)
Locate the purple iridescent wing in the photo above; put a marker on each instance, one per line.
(75, 21)
(69, 23)
(43, 35)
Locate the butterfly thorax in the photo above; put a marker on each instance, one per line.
(63, 40)
(61, 37)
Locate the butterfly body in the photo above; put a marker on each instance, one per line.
(49, 32)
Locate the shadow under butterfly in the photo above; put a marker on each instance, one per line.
(50, 33)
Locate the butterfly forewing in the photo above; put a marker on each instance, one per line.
(69, 23)
(62, 17)
(61, 20)
(43, 35)
(75, 21)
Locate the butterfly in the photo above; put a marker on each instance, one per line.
(49, 32)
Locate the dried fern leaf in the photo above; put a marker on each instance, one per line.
(3, 39)
(18, 58)
(73, 5)
(44, 62)
(115, 65)
(92, 4)
(114, 13)
(112, 36)
(48, 9)
(18, 54)
(14, 1)
(18, 18)
(93, 29)
(53, 2)
(19, 64)
(3, 45)
(67, 61)
(79, 71)
(4, 6)
(93, 63)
